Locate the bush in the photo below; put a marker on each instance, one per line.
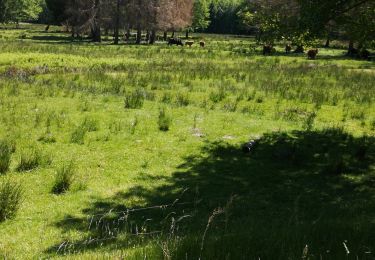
(135, 99)
(6, 150)
(164, 120)
(10, 199)
(64, 178)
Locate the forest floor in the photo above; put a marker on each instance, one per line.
(155, 134)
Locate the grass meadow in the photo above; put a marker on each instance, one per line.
(135, 152)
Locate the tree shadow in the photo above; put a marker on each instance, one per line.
(293, 189)
(54, 38)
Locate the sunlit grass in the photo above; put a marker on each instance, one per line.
(143, 123)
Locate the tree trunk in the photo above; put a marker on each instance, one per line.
(173, 34)
(153, 36)
(127, 35)
(95, 33)
(351, 45)
(47, 28)
(328, 42)
(95, 28)
(139, 36)
(165, 36)
(187, 34)
(147, 36)
(351, 50)
(117, 23)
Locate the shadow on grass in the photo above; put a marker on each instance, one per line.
(315, 188)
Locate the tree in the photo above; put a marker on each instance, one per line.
(174, 14)
(303, 21)
(223, 16)
(19, 10)
(58, 10)
(201, 16)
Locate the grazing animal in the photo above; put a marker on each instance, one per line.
(189, 43)
(175, 41)
(202, 44)
(288, 48)
(268, 49)
(311, 54)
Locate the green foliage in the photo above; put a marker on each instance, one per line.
(19, 10)
(64, 178)
(224, 16)
(11, 194)
(201, 15)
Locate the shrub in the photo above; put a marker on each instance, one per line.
(10, 199)
(6, 150)
(164, 120)
(135, 99)
(64, 178)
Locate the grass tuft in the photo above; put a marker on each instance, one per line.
(11, 194)
(135, 99)
(32, 158)
(164, 121)
(64, 178)
(6, 150)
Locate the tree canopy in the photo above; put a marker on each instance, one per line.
(19, 10)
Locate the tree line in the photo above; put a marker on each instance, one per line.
(298, 22)
(302, 22)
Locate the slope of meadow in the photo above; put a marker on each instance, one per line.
(155, 133)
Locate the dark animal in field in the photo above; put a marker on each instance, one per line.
(288, 48)
(268, 49)
(202, 44)
(311, 54)
(189, 43)
(175, 41)
(249, 146)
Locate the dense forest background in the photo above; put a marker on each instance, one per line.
(298, 22)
